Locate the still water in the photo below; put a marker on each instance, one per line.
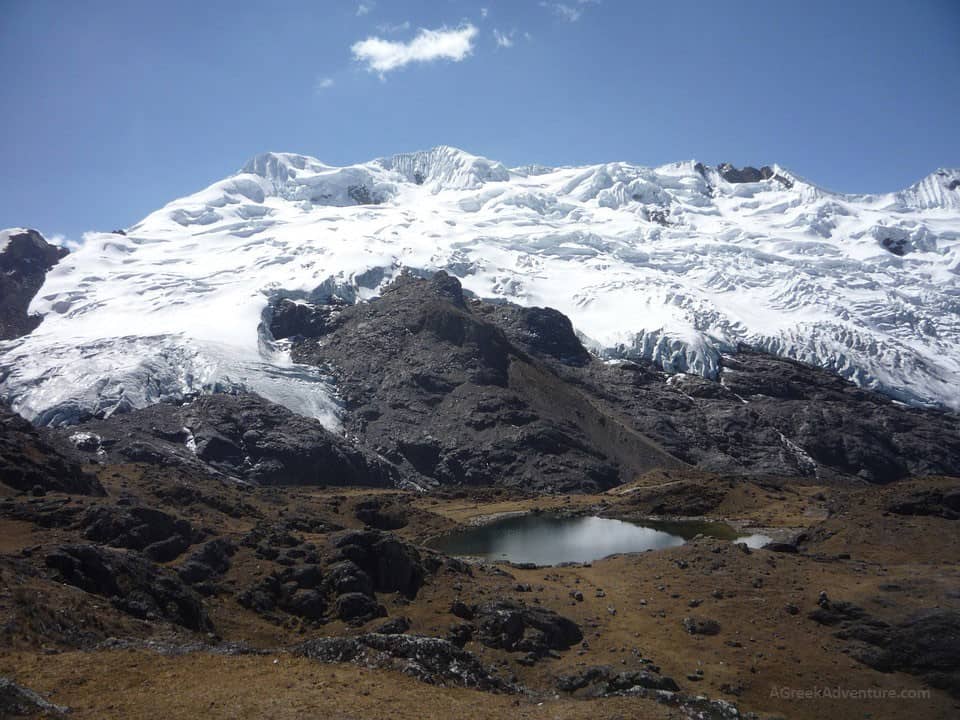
(550, 539)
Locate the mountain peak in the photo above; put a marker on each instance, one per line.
(445, 167)
(280, 166)
(939, 189)
(674, 265)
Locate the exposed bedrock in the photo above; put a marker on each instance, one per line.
(132, 583)
(241, 436)
(24, 263)
(440, 389)
(30, 462)
(460, 391)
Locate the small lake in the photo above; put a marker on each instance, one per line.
(551, 539)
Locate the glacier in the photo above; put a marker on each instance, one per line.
(675, 264)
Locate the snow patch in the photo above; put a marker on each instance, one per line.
(5, 236)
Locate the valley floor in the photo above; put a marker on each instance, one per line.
(774, 635)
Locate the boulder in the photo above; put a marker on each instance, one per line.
(696, 625)
(308, 604)
(461, 633)
(381, 514)
(356, 608)
(346, 576)
(601, 680)
(392, 565)
(461, 610)
(160, 535)
(211, 560)
(396, 626)
(514, 627)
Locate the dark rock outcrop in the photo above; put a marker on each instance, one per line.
(510, 626)
(381, 514)
(938, 503)
(346, 576)
(749, 174)
(210, 561)
(430, 660)
(283, 448)
(301, 590)
(42, 512)
(543, 332)
(461, 633)
(159, 535)
(240, 435)
(340, 585)
(442, 389)
(458, 391)
(18, 701)
(24, 264)
(769, 416)
(291, 319)
(391, 564)
(455, 391)
(601, 680)
(926, 644)
(395, 626)
(28, 459)
(696, 625)
(356, 608)
(308, 604)
(132, 583)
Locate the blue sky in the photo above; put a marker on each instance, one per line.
(111, 109)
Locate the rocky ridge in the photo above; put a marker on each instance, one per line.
(25, 259)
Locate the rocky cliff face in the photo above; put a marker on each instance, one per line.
(457, 390)
(25, 258)
(30, 460)
(237, 436)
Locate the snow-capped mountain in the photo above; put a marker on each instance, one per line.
(675, 264)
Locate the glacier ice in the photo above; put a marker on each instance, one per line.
(672, 264)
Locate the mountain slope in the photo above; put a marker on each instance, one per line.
(436, 390)
(677, 265)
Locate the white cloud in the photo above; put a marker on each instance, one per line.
(571, 12)
(568, 13)
(323, 83)
(399, 27)
(503, 39)
(62, 241)
(364, 8)
(382, 56)
(484, 12)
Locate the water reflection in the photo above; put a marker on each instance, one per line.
(549, 539)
